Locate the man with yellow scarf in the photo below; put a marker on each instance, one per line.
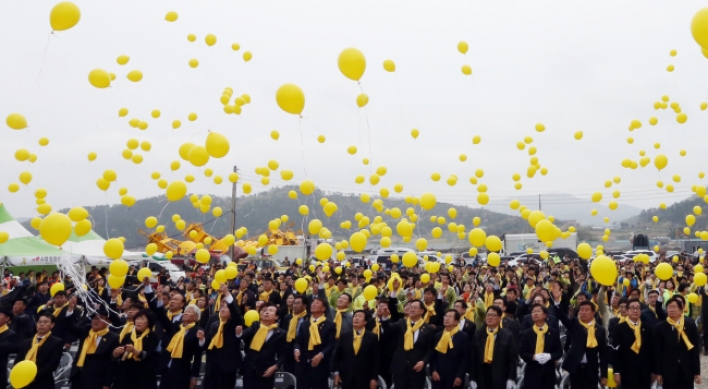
(494, 354)
(540, 348)
(676, 344)
(93, 365)
(265, 346)
(223, 354)
(632, 349)
(9, 340)
(314, 346)
(587, 357)
(44, 350)
(356, 357)
(182, 347)
(450, 359)
(291, 324)
(414, 345)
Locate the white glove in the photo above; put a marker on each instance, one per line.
(510, 384)
(542, 358)
(473, 385)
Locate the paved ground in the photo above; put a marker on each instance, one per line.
(704, 373)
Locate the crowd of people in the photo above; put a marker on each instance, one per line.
(468, 324)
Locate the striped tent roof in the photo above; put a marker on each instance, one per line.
(21, 242)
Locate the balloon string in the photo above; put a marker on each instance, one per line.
(41, 67)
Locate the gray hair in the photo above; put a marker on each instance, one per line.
(195, 309)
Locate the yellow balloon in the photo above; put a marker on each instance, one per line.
(466, 70)
(210, 39)
(23, 373)
(198, 156)
(604, 270)
(660, 161)
(389, 65)
(290, 99)
(55, 229)
(352, 63)
(83, 227)
(664, 271)
(99, 78)
(323, 251)
(176, 190)
(462, 47)
(247, 55)
(699, 27)
(64, 16)
(362, 100)
(217, 145)
(25, 177)
(16, 121)
(493, 243)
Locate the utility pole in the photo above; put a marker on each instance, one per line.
(539, 201)
(233, 212)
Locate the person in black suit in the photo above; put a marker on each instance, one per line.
(291, 324)
(551, 319)
(246, 298)
(508, 320)
(414, 344)
(22, 323)
(312, 355)
(45, 350)
(380, 325)
(265, 346)
(59, 306)
(466, 326)
(450, 360)
(632, 356)
(9, 341)
(494, 354)
(587, 357)
(93, 366)
(269, 294)
(223, 355)
(676, 355)
(653, 313)
(183, 348)
(137, 354)
(356, 357)
(540, 355)
(621, 318)
(435, 306)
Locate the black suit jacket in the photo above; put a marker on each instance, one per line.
(327, 331)
(671, 357)
(535, 372)
(577, 335)
(651, 318)
(132, 374)
(551, 319)
(23, 325)
(9, 342)
(403, 361)
(633, 367)
(228, 357)
(272, 352)
(357, 370)
(98, 368)
(455, 362)
(437, 320)
(514, 326)
(503, 362)
(48, 359)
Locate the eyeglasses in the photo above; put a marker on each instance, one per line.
(492, 315)
(634, 309)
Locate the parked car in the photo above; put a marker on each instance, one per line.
(652, 255)
(156, 266)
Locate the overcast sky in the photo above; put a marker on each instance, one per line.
(574, 66)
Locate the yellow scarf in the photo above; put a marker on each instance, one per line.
(357, 341)
(176, 345)
(57, 310)
(239, 297)
(171, 314)
(488, 299)
(622, 319)
(265, 295)
(430, 312)
(592, 341)
(189, 296)
(4, 328)
(127, 328)
(616, 312)
(338, 321)
(377, 327)
(292, 326)
(540, 338)
(489, 346)
(682, 335)
(143, 300)
(100, 290)
(89, 346)
(138, 342)
(260, 337)
(314, 333)
(409, 336)
(469, 314)
(218, 339)
(446, 340)
(653, 310)
(637, 345)
(32, 353)
(217, 303)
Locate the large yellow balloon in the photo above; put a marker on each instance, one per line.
(323, 251)
(113, 248)
(699, 27)
(493, 259)
(23, 373)
(16, 121)
(64, 16)
(477, 237)
(410, 259)
(584, 251)
(664, 271)
(493, 243)
(217, 145)
(700, 279)
(545, 230)
(358, 242)
(55, 229)
(290, 99)
(604, 271)
(352, 63)
(198, 156)
(99, 78)
(660, 161)
(176, 191)
(427, 201)
(389, 65)
(83, 227)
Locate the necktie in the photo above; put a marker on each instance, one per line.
(682, 335)
(89, 346)
(314, 333)
(138, 342)
(292, 326)
(357, 341)
(409, 336)
(540, 338)
(445, 341)
(592, 341)
(430, 312)
(260, 337)
(338, 321)
(36, 344)
(127, 328)
(637, 345)
(176, 345)
(218, 339)
(489, 345)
